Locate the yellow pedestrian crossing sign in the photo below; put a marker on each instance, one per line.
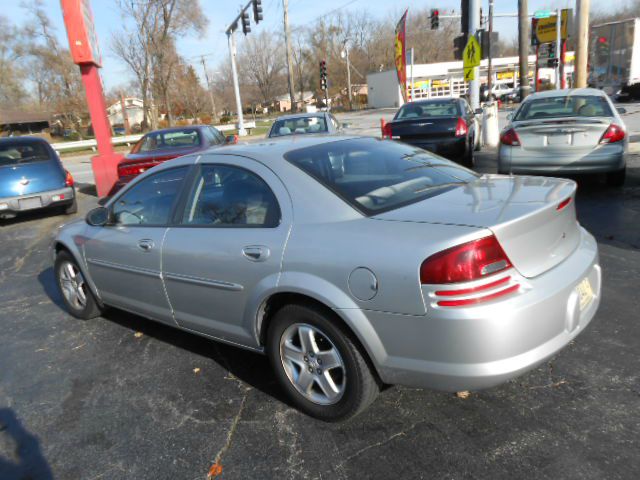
(472, 53)
(469, 74)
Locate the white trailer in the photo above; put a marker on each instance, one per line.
(614, 58)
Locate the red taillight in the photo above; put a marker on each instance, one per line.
(68, 181)
(613, 134)
(127, 170)
(461, 128)
(510, 137)
(386, 131)
(563, 203)
(464, 263)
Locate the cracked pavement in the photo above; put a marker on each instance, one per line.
(118, 397)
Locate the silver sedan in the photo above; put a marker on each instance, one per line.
(560, 132)
(351, 262)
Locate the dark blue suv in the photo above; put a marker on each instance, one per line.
(32, 177)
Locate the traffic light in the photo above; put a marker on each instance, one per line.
(257, 11)
(246, 26)
(435, 19)
(458, 46)
(464, 17)
(484, 44)
(323, 74)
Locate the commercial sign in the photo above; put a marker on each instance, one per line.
(83, 41)
(400, 54)
(543, 30)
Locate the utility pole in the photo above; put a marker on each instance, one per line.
(346, 54)
(287, 41)
(489, 66)
(236, 88)
(125, 116)
(474, 24)
(523, 46)
(213, 102)
(558, 47)
(582, 43)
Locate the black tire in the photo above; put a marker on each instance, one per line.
(360, 384)
(72, 207)
(90, 308)
(469, 157)
(616, 179)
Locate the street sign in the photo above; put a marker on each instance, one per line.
(472, 53)
(469, 74)
(543, 30)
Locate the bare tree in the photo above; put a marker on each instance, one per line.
(12, 68)
(262, 61)
(57, 78)
(148, 47)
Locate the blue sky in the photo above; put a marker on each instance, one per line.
(301, 12)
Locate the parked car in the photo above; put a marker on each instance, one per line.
(119, 130)
(446, 126)
(559, 132)
(301, 123)
(351, 262)
(32, 177)
(162, 145)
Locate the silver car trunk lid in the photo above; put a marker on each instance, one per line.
(561, 135)
(521, 211)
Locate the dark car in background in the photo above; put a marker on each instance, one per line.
(162, 145)
(446, 126)
(302, 123)
(32, 177)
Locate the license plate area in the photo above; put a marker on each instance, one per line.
(29, 203)
(585, 293)
(560, 139)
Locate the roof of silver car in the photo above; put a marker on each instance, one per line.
(566, 93)
(277, 147)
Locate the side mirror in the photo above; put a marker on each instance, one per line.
(621, 110)
(509, 116)
(346, 125)
(478, 111)
(98, 217)
(232, 139)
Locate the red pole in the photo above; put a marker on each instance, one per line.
(104, 164)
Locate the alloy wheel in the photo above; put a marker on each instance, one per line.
(313, 364)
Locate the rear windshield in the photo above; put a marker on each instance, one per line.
(564, 106)
(188, 137)
(291, 126)
(22, 152)
(375, 176)
(431, 109)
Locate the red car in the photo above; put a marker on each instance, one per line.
(162, 145)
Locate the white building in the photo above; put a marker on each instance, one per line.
(135, 112)
(446, 79)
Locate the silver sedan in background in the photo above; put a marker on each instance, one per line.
(351, 262)
(566, 132)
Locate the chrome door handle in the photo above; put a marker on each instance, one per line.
(145, 244)
(256, 253)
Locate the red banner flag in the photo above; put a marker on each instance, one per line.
(401, 59)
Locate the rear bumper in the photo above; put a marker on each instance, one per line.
(35, 201)
(453, 149)
(470, 348)
(602, 159)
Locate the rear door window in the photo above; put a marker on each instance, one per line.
(375, 176)
(294, 126)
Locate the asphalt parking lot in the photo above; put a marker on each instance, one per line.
(123, 397)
